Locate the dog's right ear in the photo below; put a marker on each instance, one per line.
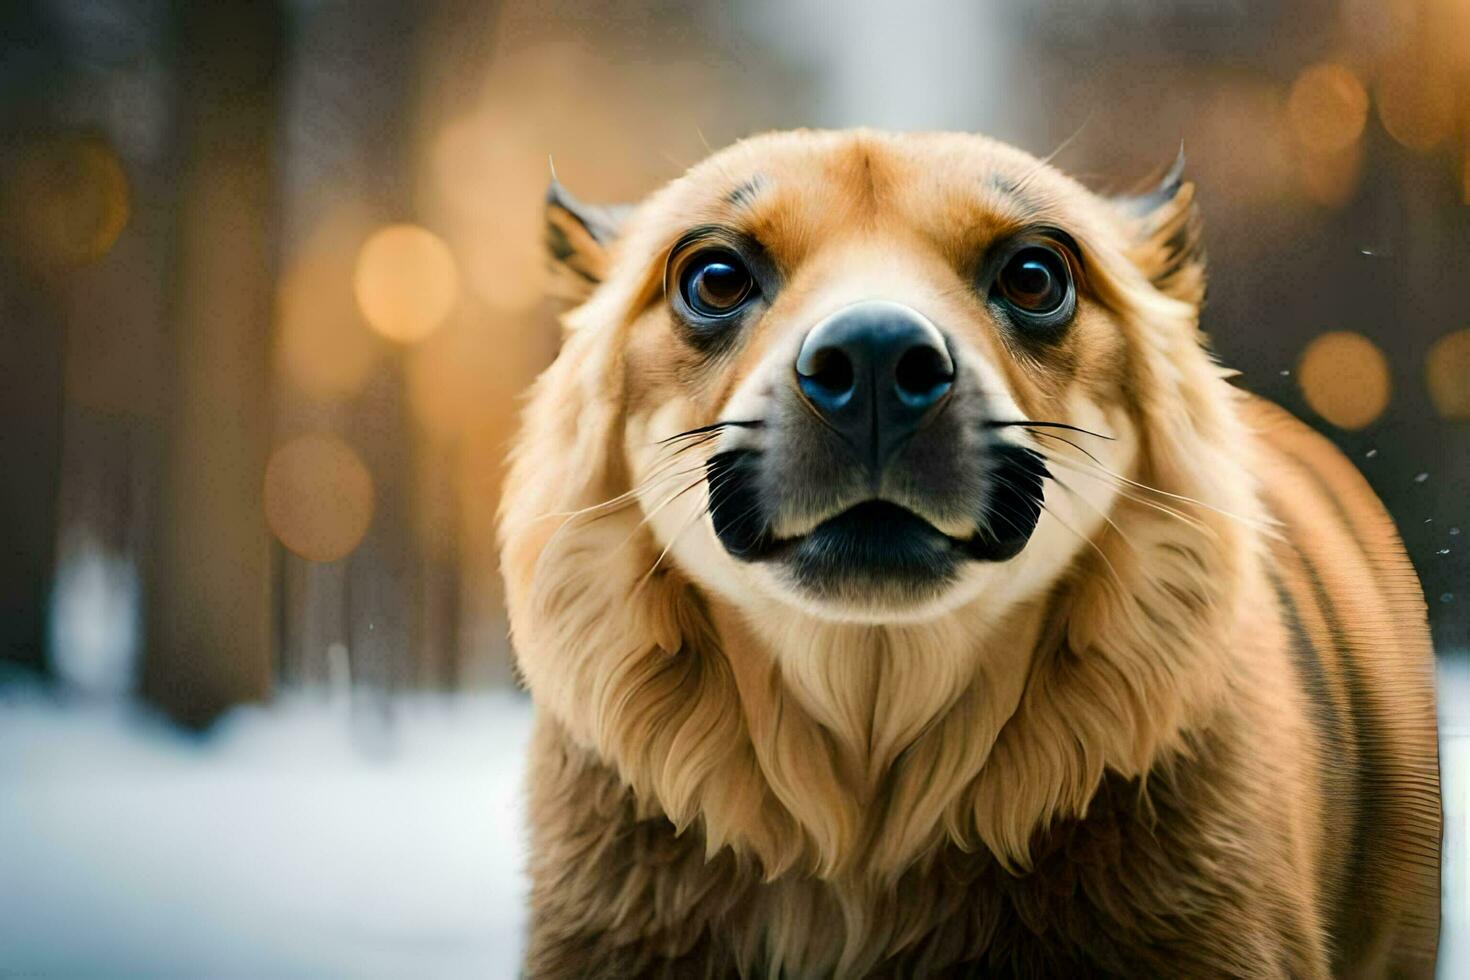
(578, 237)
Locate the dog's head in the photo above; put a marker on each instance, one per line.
(844, 381)
(863, 349)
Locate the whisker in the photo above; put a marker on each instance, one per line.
(1040, 165)
(752, 508)
(662, 461)
(1117, 578)
(1088, 541)
(612, 552)
(688, 442)
(666, 457)
(1057, 517)
(1097, 472)
(693, 519)
(1077, 495)
(713, 487)
(714, 427)
(1028, 424)
(1002, 479)
(660, 474)
(654, 512)
(1074, 466)
(1245, 521)
(613, 504)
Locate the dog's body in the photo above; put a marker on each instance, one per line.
(969, 622)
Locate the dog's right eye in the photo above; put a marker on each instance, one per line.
(1037, 290)
(715, 283)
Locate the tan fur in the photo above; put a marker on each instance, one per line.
(727, 780)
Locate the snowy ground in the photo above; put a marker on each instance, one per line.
(294, 841)
(307, 840)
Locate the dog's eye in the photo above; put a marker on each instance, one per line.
(716, 283)
(1036, 283)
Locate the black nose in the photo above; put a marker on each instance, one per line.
(874, 371)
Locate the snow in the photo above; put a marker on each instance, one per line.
(295, 840)
(1454, 762)
(312, 838)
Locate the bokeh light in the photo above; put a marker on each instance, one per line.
(71, 198)
(318, 497)
(1326, 111)
(1327, 108)
(322, 345)
(1415, 103)
(406, 282)
(1345, 379)
(1447, 373)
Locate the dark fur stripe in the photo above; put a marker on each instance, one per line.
(1369, 733)
(744, 196)
(1313, 673)
(1365, 735)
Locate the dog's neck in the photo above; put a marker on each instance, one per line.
(871, 691)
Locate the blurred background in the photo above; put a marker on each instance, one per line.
(271, 282)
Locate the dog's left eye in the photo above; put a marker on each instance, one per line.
(1035, 281)
(715, 283)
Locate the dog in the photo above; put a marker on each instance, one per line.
(904, 590)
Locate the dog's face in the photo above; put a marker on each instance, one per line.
(850, 359)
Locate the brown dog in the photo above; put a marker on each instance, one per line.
(904, 591)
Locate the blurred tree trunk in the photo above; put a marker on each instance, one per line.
(351, 166)
(31, 344)
(30, 455)
(382, 575)
(211, 632)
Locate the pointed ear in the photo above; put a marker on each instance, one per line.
(578, 237)
(1167, 241)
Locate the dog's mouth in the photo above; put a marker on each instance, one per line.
(875, 544)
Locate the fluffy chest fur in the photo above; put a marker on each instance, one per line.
(1132, 889)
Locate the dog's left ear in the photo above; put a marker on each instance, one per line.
(1167, 244)
(578, 237)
